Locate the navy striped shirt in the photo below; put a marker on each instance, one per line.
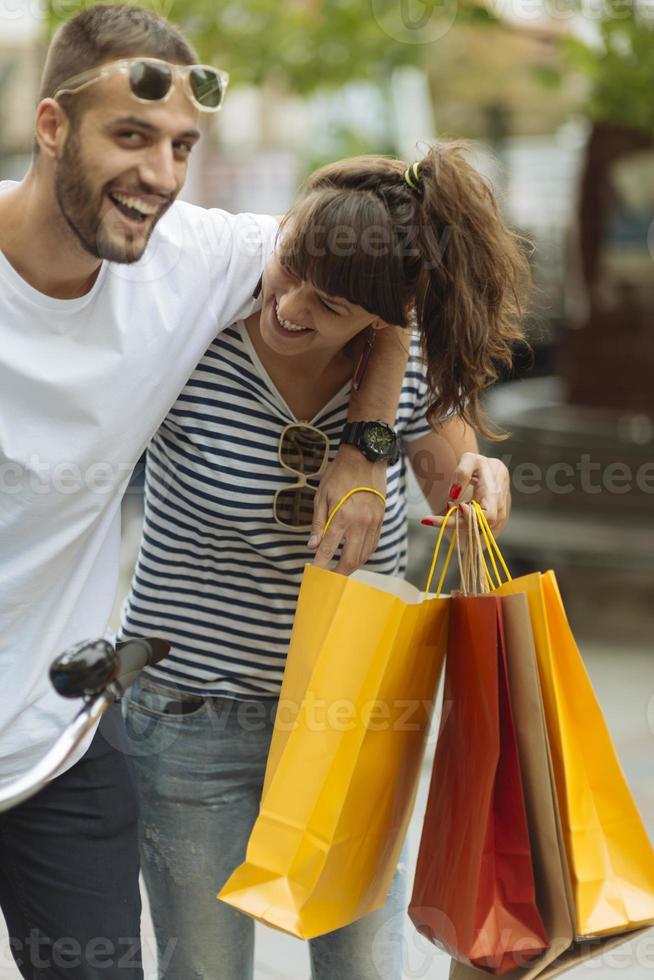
(216, 575)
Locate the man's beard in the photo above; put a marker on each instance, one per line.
(78, 205)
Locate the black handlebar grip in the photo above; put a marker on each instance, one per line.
(134, 655)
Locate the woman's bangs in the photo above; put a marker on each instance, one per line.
(343, 244)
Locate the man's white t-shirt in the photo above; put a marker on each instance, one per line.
(84, 384)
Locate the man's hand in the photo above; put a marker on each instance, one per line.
(358, 522)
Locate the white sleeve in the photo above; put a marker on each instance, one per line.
(236, 248)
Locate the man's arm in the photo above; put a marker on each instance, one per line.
(358, 523)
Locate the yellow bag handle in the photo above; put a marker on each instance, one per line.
(437, 548)
(479, 530)
(491, 543)
(347, 496)
(438, 542)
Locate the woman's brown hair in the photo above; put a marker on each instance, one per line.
(437, 253)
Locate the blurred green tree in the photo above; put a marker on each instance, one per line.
(621, 67)
(303, 45)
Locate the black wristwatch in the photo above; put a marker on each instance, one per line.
(376, 440)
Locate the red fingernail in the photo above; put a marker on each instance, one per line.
(455, 491)
(427, 521)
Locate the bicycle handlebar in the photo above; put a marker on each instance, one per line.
(100, 674)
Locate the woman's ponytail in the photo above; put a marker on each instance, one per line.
(472, 288)
(428, 238)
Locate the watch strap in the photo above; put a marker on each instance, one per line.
(353, 436)
(353, 433)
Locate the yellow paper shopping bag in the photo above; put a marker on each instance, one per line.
(610, 857)
(363, 666)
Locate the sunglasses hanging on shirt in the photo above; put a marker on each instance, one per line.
(303, 451)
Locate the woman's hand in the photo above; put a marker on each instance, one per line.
(486, 480)
(358, 522)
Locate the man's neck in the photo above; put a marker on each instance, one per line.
(37, 242)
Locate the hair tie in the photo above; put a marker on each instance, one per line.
(412, 177)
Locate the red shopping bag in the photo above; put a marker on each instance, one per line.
(474, 889)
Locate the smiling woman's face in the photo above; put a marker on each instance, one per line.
(298, 318)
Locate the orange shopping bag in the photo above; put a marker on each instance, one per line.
(474, 885)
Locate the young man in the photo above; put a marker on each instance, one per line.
(110, 292)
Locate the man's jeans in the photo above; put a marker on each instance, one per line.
(69, 876)
(200, 766)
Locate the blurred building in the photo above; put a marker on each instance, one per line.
(488, 82)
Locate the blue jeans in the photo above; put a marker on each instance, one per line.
(199, 765)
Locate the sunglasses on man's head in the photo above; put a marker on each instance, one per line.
(303, 451)
(151, 80)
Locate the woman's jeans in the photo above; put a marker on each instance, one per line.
(200, 764)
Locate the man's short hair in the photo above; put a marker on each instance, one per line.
(106, 32)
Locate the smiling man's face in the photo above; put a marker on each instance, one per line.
(122, 166)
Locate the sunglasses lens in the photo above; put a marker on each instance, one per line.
(149, 81)
(294, 507)
(207, 87)
(303, 450)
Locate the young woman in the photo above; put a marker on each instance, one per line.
(370, 245)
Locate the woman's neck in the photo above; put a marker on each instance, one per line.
(306, 382)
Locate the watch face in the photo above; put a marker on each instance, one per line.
(380, 438)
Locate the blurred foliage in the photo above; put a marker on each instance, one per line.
(304, 45)
(621, 69)
(7, 70)
(344, 141)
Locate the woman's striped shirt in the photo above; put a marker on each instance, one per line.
(216, 575)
